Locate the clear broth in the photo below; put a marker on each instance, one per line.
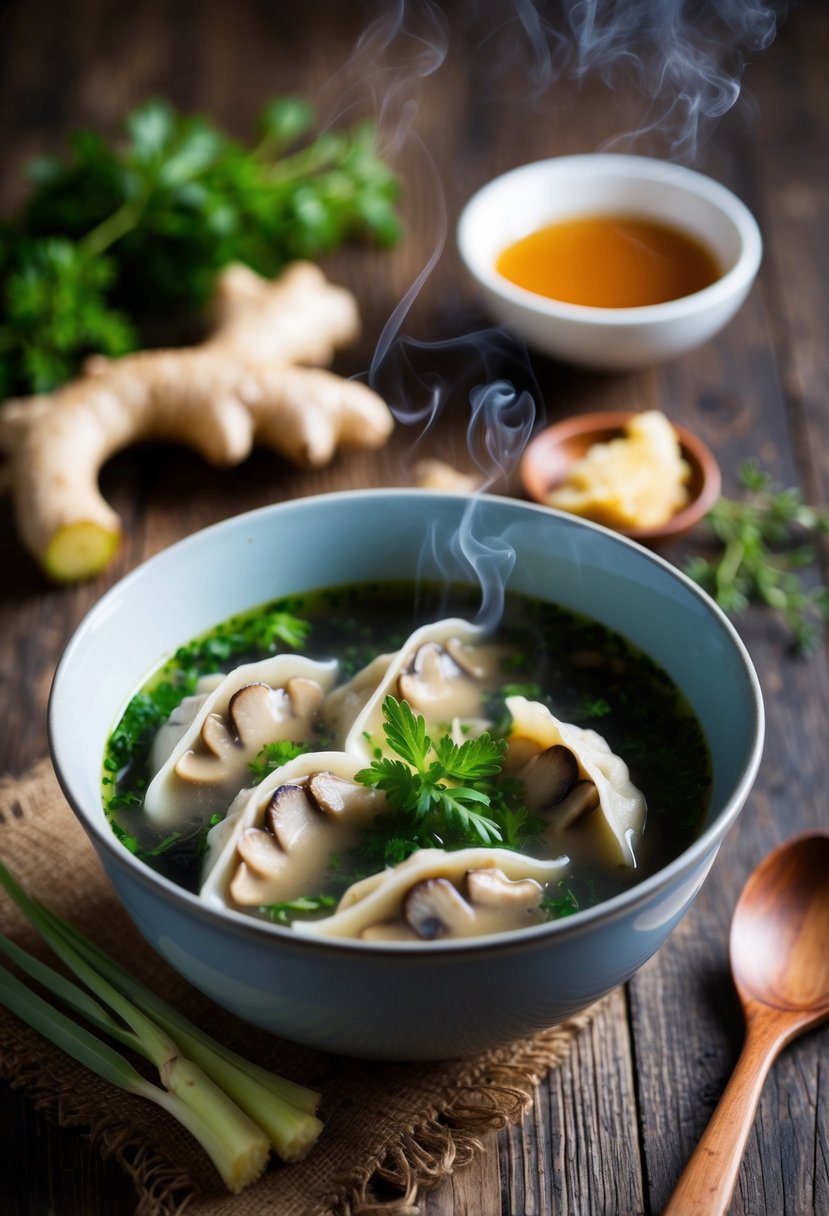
(585, 673)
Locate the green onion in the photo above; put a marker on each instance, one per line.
(234, 1108)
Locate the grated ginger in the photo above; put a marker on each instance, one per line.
(636, 481)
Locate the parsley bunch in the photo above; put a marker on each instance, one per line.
(111, 238)
(764, 546)
(439, 792)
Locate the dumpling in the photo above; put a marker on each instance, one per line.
(257, 703)
(434, 893)
(442, 670)
(595, 775)
(277, 840)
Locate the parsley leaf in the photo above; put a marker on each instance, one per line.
(422, 786)
(115, 237)
(273, 756)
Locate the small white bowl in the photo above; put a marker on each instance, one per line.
(519, 202)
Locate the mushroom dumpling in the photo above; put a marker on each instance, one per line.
(277, 839)
(257, 703)
(570, 772)
(437, 894)
(442, 671)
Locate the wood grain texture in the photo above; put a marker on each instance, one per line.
(610, 1131)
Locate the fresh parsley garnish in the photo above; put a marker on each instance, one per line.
(117, 234)
(439, 788)
(273, 756)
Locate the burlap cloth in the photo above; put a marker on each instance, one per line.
(390, 1130)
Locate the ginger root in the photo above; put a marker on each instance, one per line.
(240, 387)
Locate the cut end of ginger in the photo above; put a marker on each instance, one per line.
(79, 550)
(639, 480)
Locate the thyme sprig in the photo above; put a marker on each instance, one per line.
(766, 541)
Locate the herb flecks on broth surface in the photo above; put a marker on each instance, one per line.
(422, 780)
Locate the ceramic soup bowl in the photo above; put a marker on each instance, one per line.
(402, 1001)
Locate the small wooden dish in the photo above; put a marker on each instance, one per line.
(549, 455)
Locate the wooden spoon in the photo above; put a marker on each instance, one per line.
(780, 963)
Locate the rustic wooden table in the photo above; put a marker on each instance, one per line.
(609, 1131)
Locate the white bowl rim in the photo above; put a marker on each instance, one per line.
(247, 927)
(643, 168)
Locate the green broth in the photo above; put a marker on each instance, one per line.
(586, 674)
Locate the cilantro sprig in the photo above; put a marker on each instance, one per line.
(117, 235)
(765, 540)
(440, 788)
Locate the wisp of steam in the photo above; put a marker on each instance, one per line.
(684, 58)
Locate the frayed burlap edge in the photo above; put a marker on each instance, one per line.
(421, 1155)
(162, 1189)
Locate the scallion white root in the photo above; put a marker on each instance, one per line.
(235, 1109)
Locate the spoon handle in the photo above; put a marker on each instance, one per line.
(707, 1183)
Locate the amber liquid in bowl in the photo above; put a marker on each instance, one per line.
(609, 261)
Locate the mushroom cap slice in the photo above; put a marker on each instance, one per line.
(549, 776)
(261, 852)
(436, 686)
(579, 802)
(435, 908)
(306, 697)
(201, 767)
(255, 711)
(291, 815)
(492, 889)
(334, 795)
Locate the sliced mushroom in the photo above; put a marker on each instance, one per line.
(434, 683)
(492, 889)
(290, 815)
(305, 695)
(256, 712)
(261, 852)
(580, 801)
(435, 908)
(261, 870)
(548, 777)
(215, 735)
(336, 796)
(217, 744)
(468, 658)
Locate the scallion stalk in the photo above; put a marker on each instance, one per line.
(232, 1106)
(237, 1147)
(285, 1110)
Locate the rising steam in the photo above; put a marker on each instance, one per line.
(683, 60)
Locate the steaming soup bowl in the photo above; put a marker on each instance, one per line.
(403, 1001)
(568, 187)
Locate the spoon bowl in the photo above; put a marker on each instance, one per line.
(780, 930)
(780, 965)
